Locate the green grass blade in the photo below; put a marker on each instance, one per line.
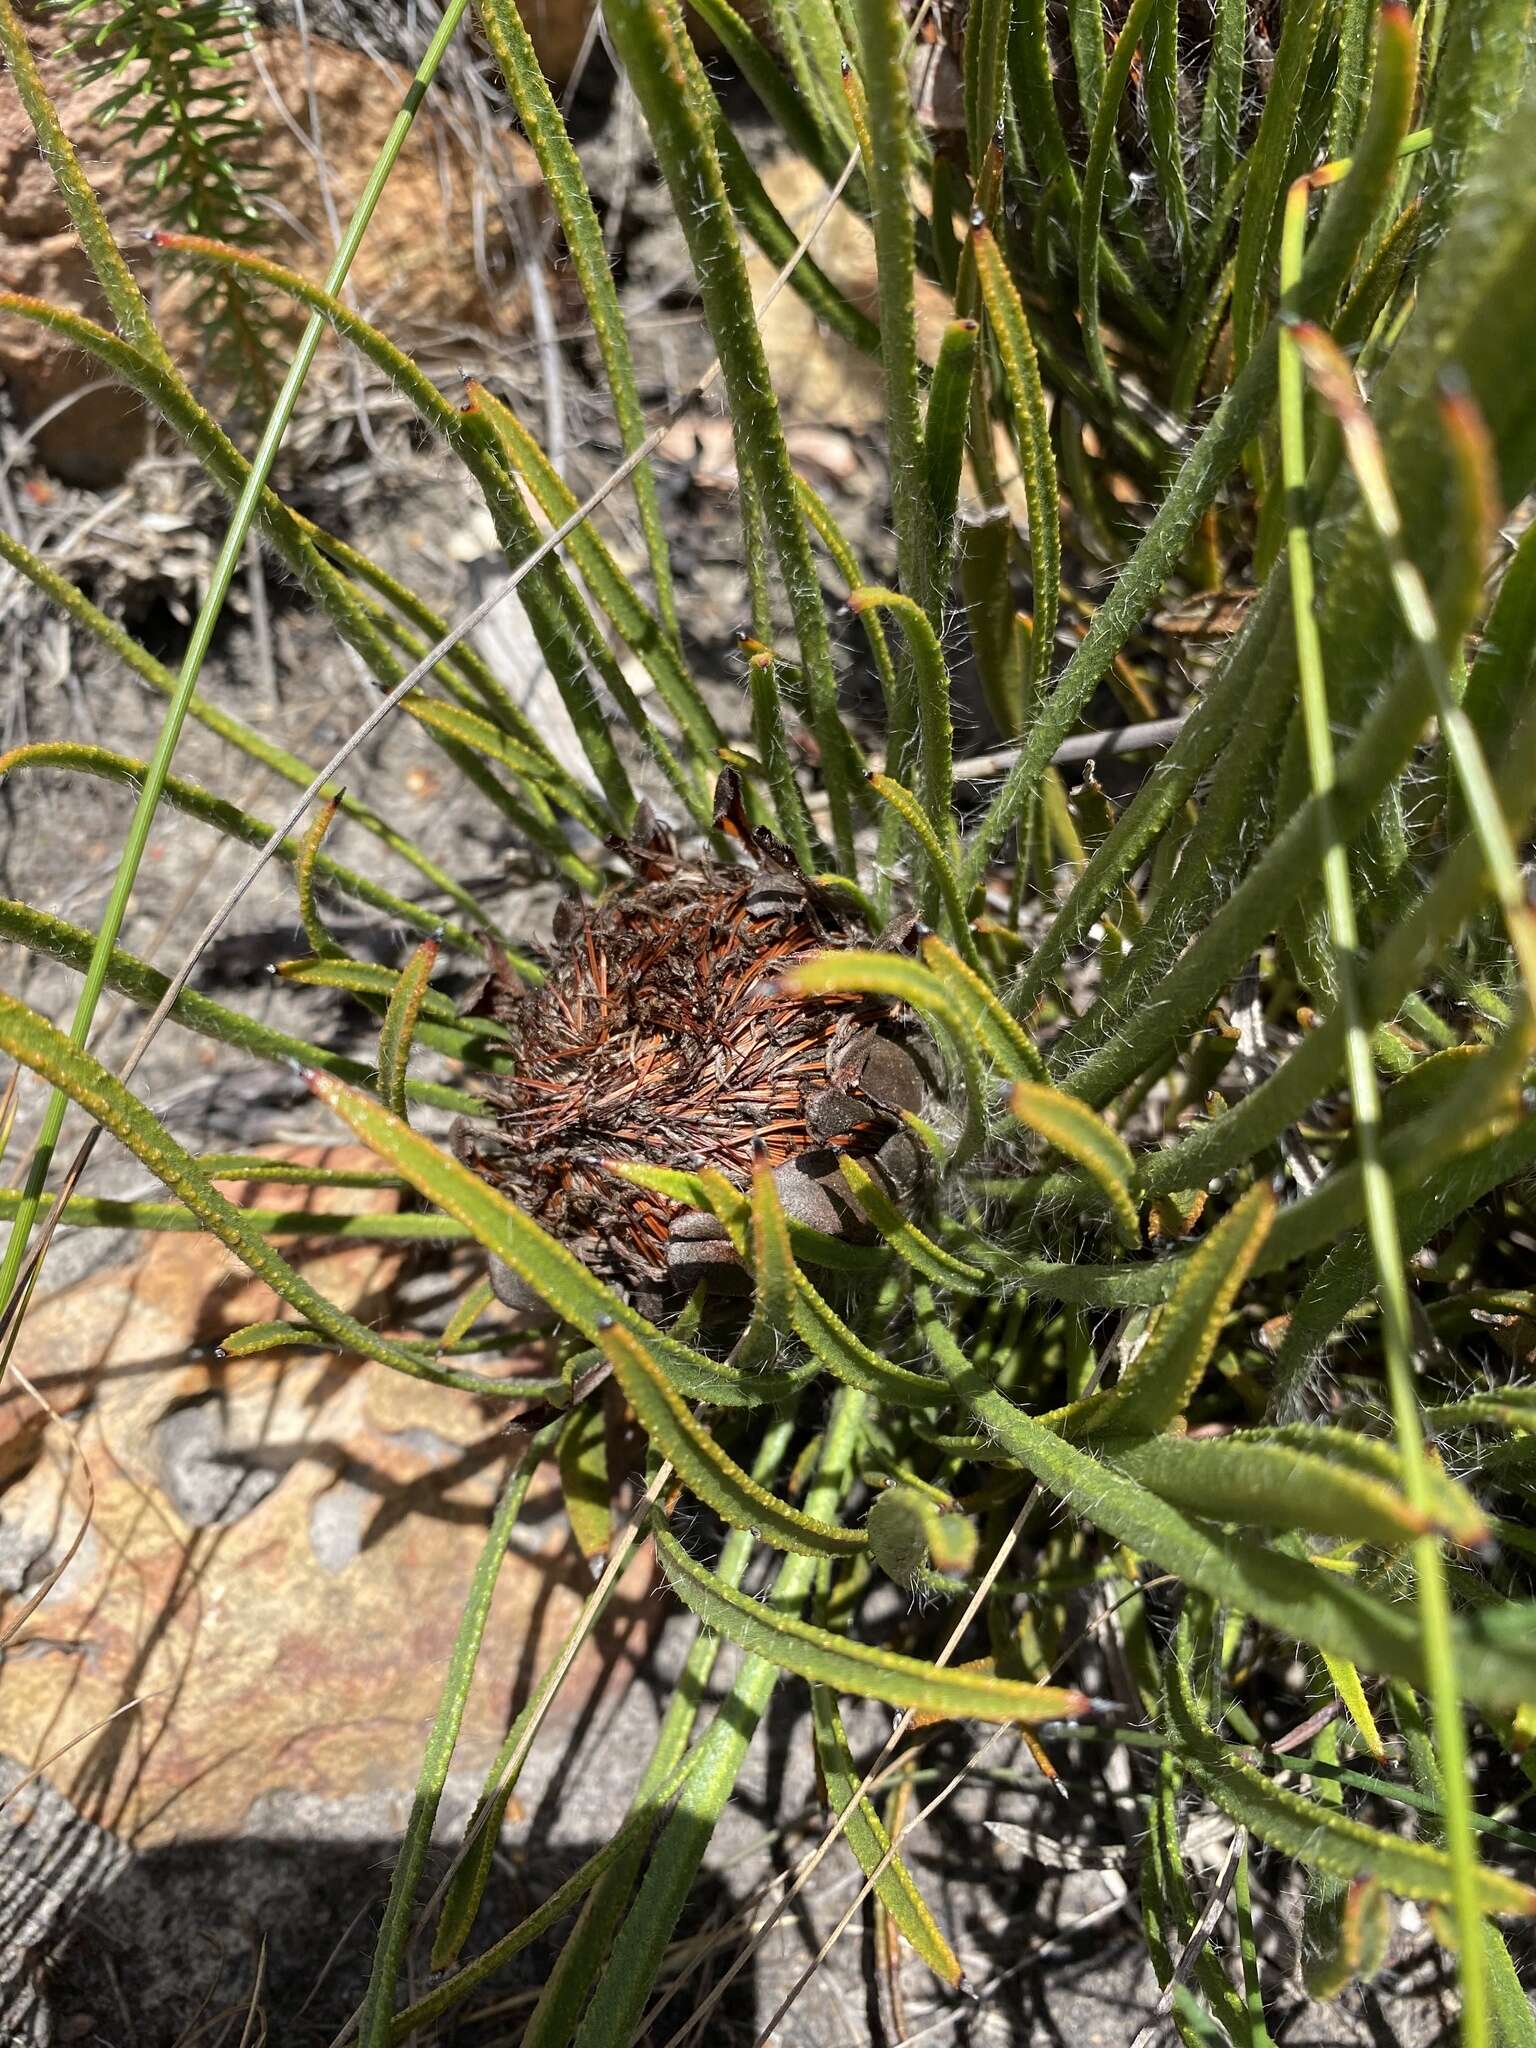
(375, 2028)
(638, 1952)
(565, 1899)
(1380, 1196)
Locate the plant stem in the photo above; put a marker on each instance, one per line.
(1379, 1197)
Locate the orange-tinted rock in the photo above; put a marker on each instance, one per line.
(277, 1554)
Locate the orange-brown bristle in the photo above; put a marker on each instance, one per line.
(663, 1035)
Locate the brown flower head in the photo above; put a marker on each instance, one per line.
(663, 1034)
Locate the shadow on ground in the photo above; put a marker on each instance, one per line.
(181, 1944)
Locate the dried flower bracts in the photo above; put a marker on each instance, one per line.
(663, 1035)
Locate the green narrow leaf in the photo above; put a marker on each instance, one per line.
(576, 1968)
(986, 74)
(935, 735)
(565, 1899)
(1298, 1599)
(889, 167)
(234, 823)
(1221, 111)
(300, 774)
(773, 1260)
(944, 428)
(659, 62)
(904, 1238)
(780, 243)
(857, 1668)
(1034, 99)
(793, 114)
(1161, 84)
(1269, 162)
(638, 1951)
(375, 2028)
(146, 985)
(1156, 1388)
(870, 1843)
(39, 1045)
(400, 1021)
(632, 620)
(938, 865)
(582, 1456)
(1010, 330)
(1219, 447)
(120, 287)
(1346, 1683)
(153, 368)
(377, 984)
(100, 1213)
(320, 940)
(704, 1467)
(539, 117)
(1072, 1128)
(1090, 241)
(849, 1359)
(1315, 1832)
(1268, 1486)
(1008, 1042)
